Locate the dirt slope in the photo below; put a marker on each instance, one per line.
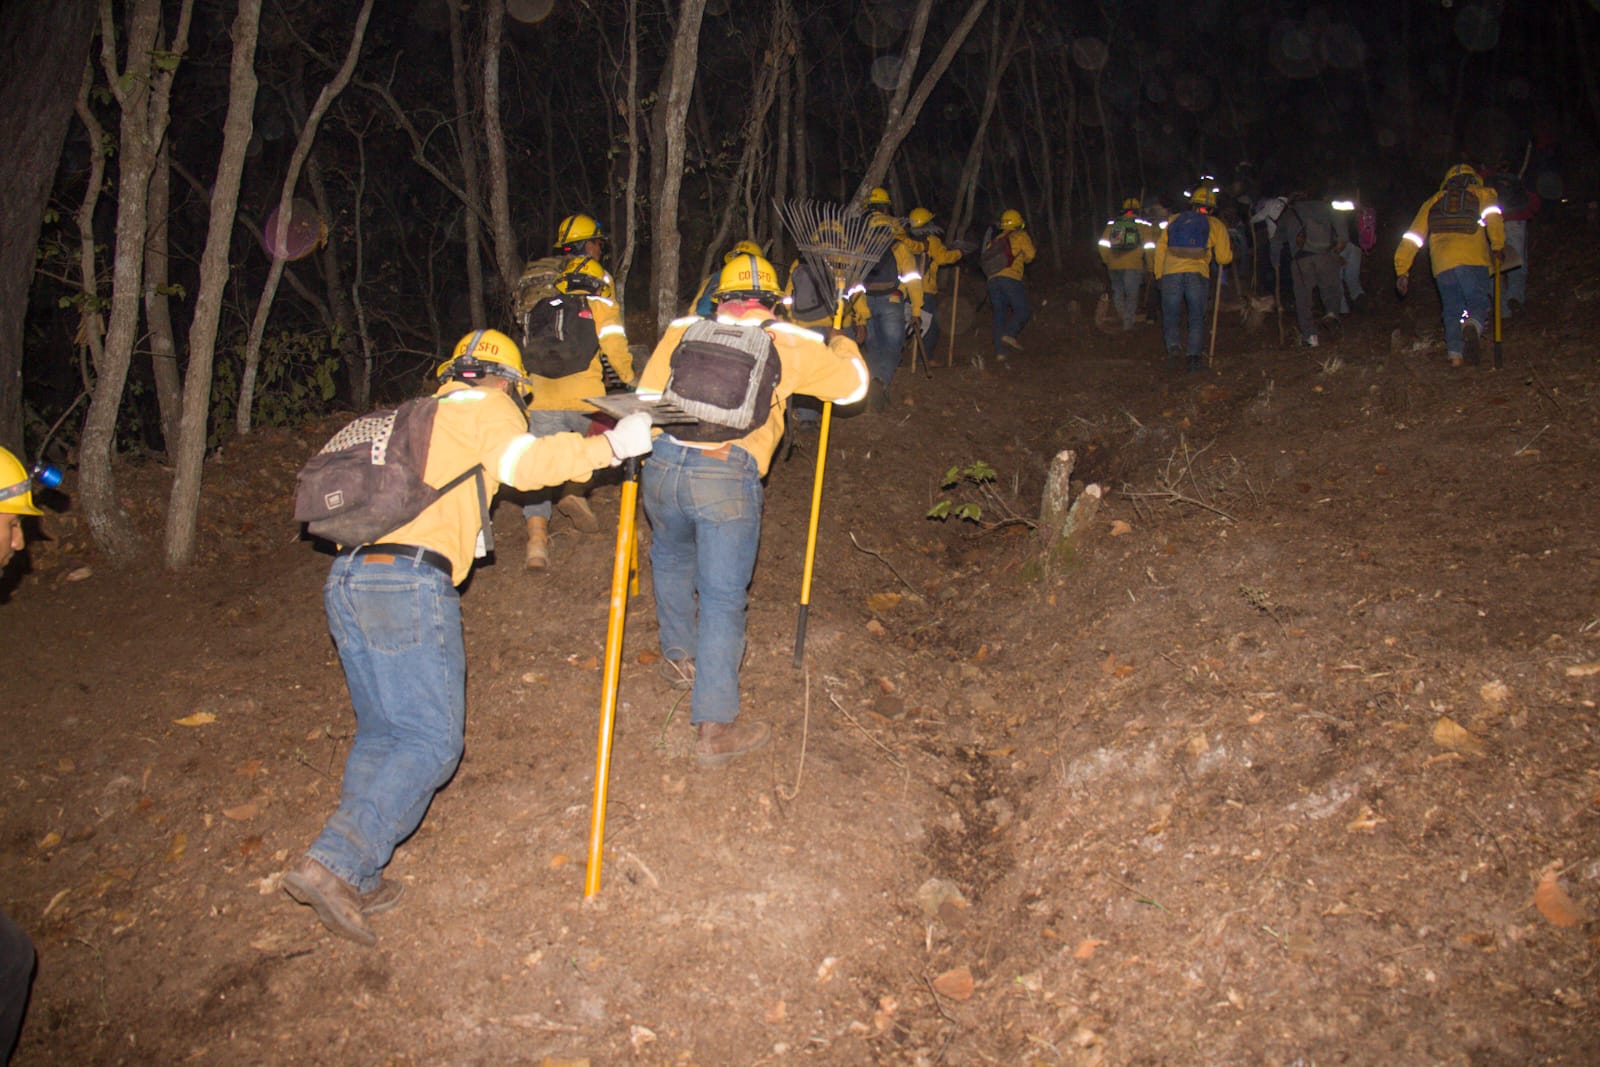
(1291, 760)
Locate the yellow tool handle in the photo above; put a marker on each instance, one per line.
(620, 566)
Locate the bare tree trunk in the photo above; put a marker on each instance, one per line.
(142, 91)
(158, 306)
(665, 240)
(903, 116)
(363, 370)
(43, 48)
(1105, 142)
(765, 89)
(467, 139)
(91, 323)
(183, 511)
(1000, 55)
(802, 180)
(342, 318)
(630, 229)
(505, 242)
(302, 148)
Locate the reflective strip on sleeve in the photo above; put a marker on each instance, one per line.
(1414, 238)
(907, 279)
(459, 395)
(1163, 224)
(1105, 242)
(855, 290)
(603, 300)
(1149, 246)
(1492, 209)
(512, 456)
(614, 328)
(860, 390)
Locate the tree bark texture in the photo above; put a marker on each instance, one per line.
(666, 241)
(1000, 55)
(158, 304)
(494, 142)
(903, 116)
(43, 48)
(143, 124)
(183, 509)
(467, 144)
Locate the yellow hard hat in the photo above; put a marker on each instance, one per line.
(879, 198)
(1466, 171)
(1131, 204)
(482, 353)
(743, 248)
(583, 274)
(1011, 219)
(575, 230)
(748, 278)
(1205, 196)
(16, 487)
(919, 217)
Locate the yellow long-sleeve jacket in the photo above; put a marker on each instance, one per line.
(1449, 250)
(1022, 253)
(1218, 248)
(828, 371)
(1139, 258)
(485, 426)
(569, 393)
(933, 256)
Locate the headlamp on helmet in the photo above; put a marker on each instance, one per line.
(17, 484)
(484, 354)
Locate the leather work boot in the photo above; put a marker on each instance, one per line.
(381, 899)
(576, 508)
(538, 557)
(336, 901)
(716, 743)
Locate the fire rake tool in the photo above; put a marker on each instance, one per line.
(841, 245)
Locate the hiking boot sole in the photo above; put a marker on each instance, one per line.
(306, 892)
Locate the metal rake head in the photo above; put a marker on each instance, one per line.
(838, 241)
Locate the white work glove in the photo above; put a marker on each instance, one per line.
(630, 437)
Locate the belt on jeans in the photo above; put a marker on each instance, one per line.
(384, 552)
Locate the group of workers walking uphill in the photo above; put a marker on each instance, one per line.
(1463, 226)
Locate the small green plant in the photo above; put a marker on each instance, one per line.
(975, 497)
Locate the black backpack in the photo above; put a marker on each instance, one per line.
(884, 277)
(558, 336)
(813, 298)
(723, 374)
(996, 256)
(367, 480)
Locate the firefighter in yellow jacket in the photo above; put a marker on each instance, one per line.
(1189, 243)
(893, 292)
(934, 254)
(1127, 248)
(395, 616)
(702, 485)
(1005, 257)
(569, 341)
(1461, 226)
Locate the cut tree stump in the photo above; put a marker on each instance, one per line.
(1062, 520)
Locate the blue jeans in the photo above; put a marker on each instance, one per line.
(886, 336)
(1125, 294)
(537, 502)
(1008, 300)
(1514, 283)
(1350, 275)
(398, 629)
(705, 523)
(1464, 292)
(1178, 291)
